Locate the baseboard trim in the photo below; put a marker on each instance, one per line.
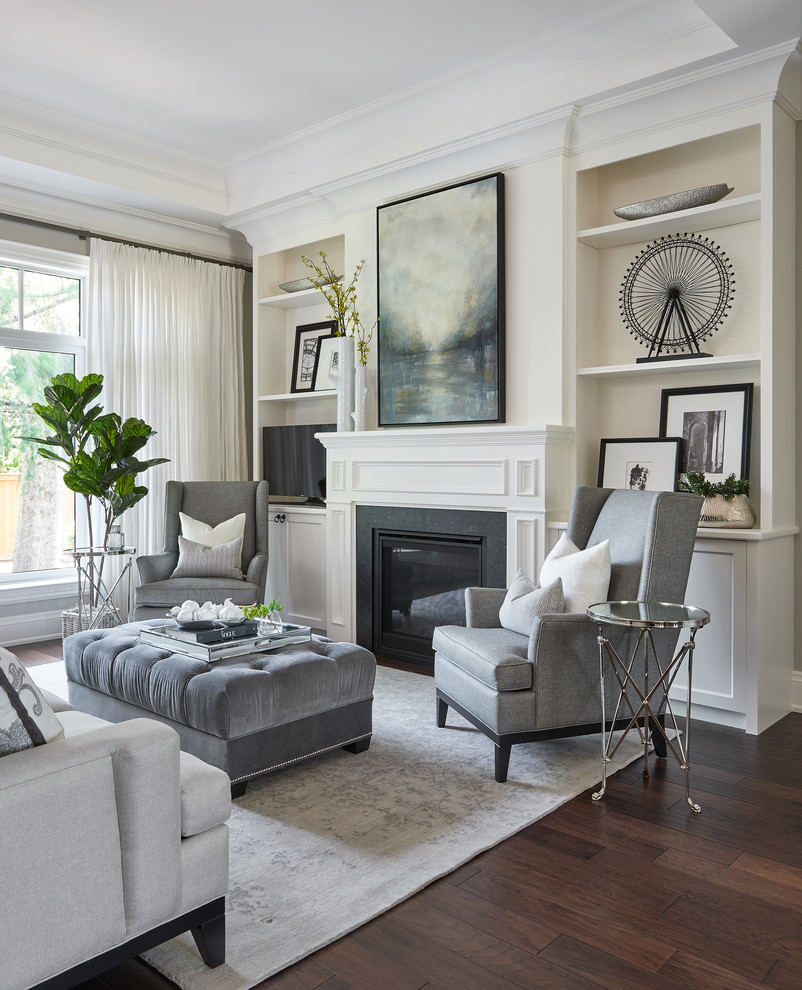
(796, 691)
(16, 629)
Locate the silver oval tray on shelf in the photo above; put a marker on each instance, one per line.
(675, 201)
(306, 283)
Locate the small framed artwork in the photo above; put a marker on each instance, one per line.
(715, 423)
(641, 463)
(328, 355)
(304, 358)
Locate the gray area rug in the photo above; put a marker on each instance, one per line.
(320, 848)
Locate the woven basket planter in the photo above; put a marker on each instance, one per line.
(72, 622)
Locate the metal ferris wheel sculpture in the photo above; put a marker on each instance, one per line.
(676, 294)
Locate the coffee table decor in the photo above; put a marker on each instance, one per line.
(221, 641)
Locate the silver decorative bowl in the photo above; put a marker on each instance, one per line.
(306, 283)
(675, 201)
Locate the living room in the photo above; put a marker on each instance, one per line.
(582, 110)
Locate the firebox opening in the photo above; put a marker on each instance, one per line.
(413, 566)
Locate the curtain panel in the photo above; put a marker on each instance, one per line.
(166, 333)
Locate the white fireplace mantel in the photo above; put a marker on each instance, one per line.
(520, 470)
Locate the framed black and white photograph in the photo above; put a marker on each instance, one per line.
(328, 354)
(304, 358)
(715, 423)
(441, 306)
(641, 463)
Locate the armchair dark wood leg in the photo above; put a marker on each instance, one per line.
(502, 762)
(442, 710)
(359, 746)
(238, 789)
(658, 739)
(210, 938)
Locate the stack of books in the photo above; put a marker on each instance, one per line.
(222, 642)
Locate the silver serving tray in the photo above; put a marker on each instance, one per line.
(675, 201)
(306, 283)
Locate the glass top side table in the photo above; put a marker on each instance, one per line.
(647, 617)
(95, 594)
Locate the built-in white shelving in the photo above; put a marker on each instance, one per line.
(725, 213)
(701, 365)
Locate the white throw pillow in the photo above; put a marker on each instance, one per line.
(524, 601)
(585, 573)
(212, 536)
(26, 719)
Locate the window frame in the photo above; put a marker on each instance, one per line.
(52, 262)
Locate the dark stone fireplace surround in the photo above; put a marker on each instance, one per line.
(489, 527)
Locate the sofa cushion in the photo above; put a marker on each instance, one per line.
(197, 560)
(585, 573)
(205, 796)
(26, 718)
(496, 657)
(524, 601)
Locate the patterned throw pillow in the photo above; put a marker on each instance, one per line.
(26, 719)
(524, 601)
(197, 560)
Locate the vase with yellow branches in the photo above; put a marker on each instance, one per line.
(342, 299)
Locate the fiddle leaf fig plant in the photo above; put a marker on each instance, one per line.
(99, 451)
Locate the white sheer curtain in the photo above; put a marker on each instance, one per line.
(166, 333)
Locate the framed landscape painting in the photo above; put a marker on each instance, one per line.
(441, 306)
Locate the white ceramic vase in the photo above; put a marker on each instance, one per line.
(344, 380)
(360, 396)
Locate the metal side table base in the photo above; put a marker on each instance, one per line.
(637, 701)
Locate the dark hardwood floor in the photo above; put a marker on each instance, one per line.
(634, 892)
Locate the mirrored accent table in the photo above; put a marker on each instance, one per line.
(639, 696)
(99, 603)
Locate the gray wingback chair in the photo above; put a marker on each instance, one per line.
(211, 502)
(520, 689)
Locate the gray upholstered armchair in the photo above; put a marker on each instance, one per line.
(520, 689)
(210, 502)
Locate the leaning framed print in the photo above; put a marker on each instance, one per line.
(715, 423)
(328, 354)
(641, 463)
(441, 306)
(304, 357)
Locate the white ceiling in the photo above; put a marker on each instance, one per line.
(201, 86)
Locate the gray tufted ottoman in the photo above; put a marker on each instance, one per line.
(248, 715)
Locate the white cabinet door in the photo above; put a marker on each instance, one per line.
(717, 583)
(297, 566)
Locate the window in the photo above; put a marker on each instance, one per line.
(41, 294)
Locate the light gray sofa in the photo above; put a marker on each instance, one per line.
(114, 841)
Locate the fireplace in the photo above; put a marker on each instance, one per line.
(412, 568)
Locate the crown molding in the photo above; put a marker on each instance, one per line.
(88, 216)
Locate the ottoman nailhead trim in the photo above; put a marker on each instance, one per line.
(298, 759)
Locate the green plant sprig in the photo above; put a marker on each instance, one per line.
(263, 611)
(695, 482)
(342, 301)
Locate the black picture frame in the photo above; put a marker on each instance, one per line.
(715, 423)
(640, 463)
(441, 353)
(304, 356)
